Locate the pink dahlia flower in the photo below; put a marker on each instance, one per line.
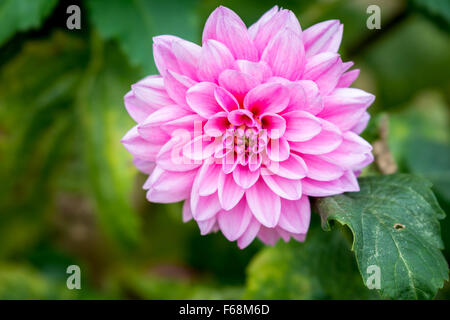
(246, 127)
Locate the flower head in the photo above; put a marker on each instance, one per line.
(247, 126)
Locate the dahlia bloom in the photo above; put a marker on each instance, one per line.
(246, 127)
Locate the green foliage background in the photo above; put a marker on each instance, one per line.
(69, 193)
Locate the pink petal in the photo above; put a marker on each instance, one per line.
(278, 149)
(171, 157)
(274, 124)
(301, 126)
(176, 86)
(234, 222)
(154, 135)
(348, 78)
(304, 96)
(323, 37)
(140, 147)
(204, 208)
(269, 25)
(268, 97)
(229, 192)
(299, 237)
(286, 236)
(164, 57)
(314, 102)
(249, 234)
(345, 107)
(151, 91)
(319, 169)
(316, 188)
(351, 151)
(264, 204)
(208, 178)
(229, 162)
(162, 116)
(346, 183)
(201, 99)
(200, 148)
(244, 177)
(188, 123)
(241, 117)
(362, 123)
(187, 55)
(254, 162)
(225, 99)
(137, 109)
(292, 168)
(325, 69)
(285, 188)
(207, 226)
(166, 186)
(144, 166)
(225, 26)
(237, 83)
(326, 141)
(295, 215)
(259, 71)
(254, 28)
(268, 236)
(187, 213)
(285, 55)
(214, 59)
(217, 124)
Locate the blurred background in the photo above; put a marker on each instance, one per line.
(69, 193)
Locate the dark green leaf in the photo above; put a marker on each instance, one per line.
(133, 24)
(436, 9)
(394, 220)
(21, 15)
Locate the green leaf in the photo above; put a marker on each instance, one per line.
(322, 267)
(437, 10)
(60, 105)
(394, 220)
(420, 140)
(432, 161)
(134, 23)
(103, 122)
(35, 133)
(21, 15)
(395, 73)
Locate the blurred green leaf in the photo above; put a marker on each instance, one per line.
(24, 282)
(71, 96)
(133, 24)
(17, 282)
(322, 267)
(431, 160)
(103, 121)
(406, 60)
(394, 220)
(36, 129)
(420, 140)
(21, 15)
(147, 285)
(437, 10)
